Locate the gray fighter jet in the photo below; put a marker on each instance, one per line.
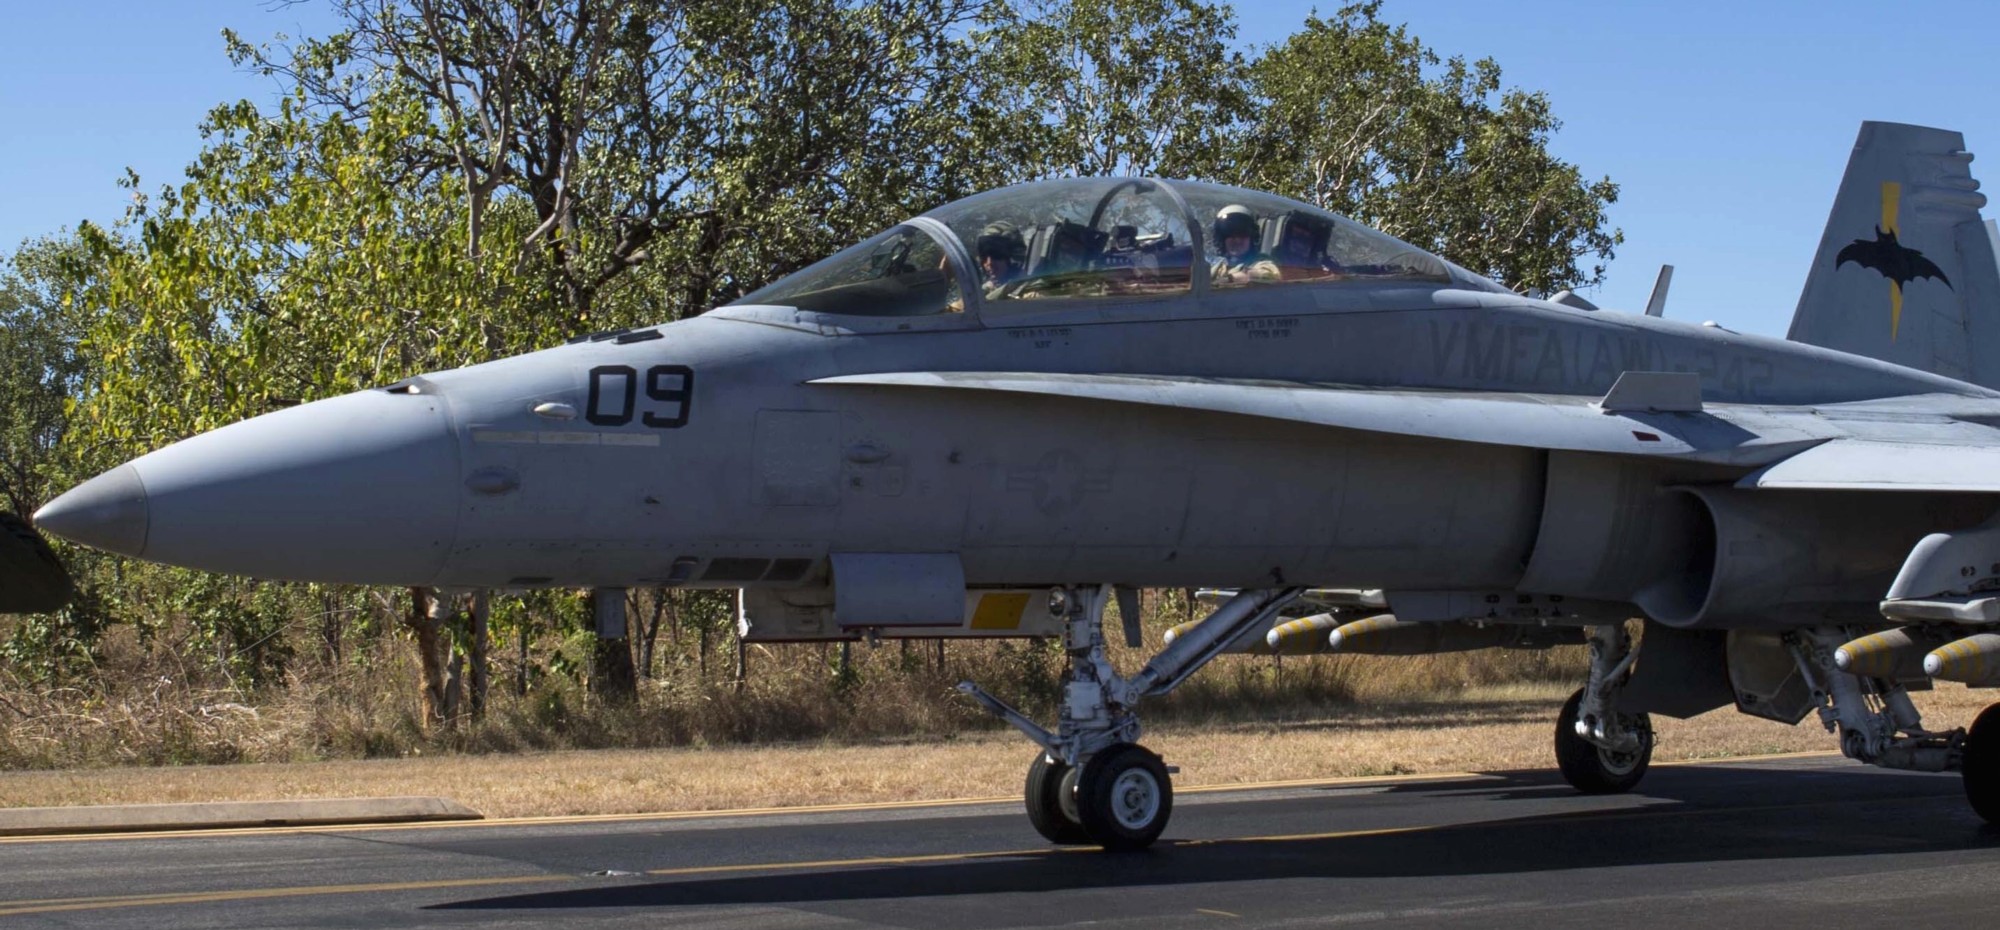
(1005, 415)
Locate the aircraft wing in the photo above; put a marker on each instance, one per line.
(1873, 465)
(1532, 420)
(31, 579)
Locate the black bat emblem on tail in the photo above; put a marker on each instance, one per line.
(1894, 260)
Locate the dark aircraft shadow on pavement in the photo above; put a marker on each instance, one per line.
(1705, 814)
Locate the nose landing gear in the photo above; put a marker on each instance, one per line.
(1051, 796)
(1124, 796)
(1093, 782)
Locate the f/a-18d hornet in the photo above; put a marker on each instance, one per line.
(1005, 415)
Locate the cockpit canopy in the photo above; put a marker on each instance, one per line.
(1103, 239)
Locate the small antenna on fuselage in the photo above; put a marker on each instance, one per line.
(1657, 306)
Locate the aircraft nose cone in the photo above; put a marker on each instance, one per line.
(357, 489)
(107, 512)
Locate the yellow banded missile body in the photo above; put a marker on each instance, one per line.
(1302, 637)
(1974, 660)
(1251, 643)
(1894, 654)
(1384, 635)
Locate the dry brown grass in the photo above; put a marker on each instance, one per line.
(1486, 728)
(150, 706)
(150, 720)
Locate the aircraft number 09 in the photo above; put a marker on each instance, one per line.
(614, 394)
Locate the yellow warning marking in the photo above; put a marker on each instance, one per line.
(1895, 309)
(1000, 611)
(1892, 195)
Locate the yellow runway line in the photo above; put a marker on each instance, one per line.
(56, 905)
(1771, 757)
(584, 819)
(940, 803)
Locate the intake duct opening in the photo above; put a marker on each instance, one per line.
(1771, 559)
(1681, 591)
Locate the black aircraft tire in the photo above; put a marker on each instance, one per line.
(1045, 809)
(1593, 770)
(1124, 797)
(1980, 766)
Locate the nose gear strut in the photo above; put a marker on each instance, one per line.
(1119, 792)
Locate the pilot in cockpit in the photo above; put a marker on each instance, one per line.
(1301, 252)
(1236, 239)
(1000, 252)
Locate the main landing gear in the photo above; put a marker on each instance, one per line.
(1093, 782)
(1878, 724)
(1599, 749)
(1980, 765)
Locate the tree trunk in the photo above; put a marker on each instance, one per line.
(651, 639)
(482, 612)
(521, 673)
(742, 654)
(454, 681)
(611, 673)
(423, 621)
(332, 626)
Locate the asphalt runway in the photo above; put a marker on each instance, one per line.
(1775, 842)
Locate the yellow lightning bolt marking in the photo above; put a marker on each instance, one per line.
(1892, 195)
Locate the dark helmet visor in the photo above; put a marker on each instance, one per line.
(998, 246)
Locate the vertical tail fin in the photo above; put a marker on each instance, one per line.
(1906, 271)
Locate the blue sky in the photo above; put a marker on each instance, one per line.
(1727, 124)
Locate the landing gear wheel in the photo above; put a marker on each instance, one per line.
(1123, 797)
(1046, 786)
(1592, 769)
(1980, 766)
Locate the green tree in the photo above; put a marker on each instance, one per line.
(1360, 117)
(1121, 87)
(42, 368)
(298, 261)
(721, 143)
